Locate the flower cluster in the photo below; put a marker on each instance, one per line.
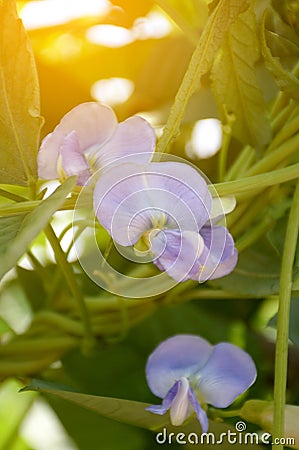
(162, 209)
(188, 373)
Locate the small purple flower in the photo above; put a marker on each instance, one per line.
(165, 210)
(188, 373)
(89, 138)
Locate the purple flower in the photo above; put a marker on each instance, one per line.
(165, 210)
(188, 373)
(89, 138)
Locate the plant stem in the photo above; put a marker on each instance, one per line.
(201, 61)
(227, 134)
(283, 116)
(285, 133)
(27, 346)
(257, 182)
(11, 367)
(70, 278)
(254, 234)
(241, 164)
(11, 196)
(276, 157)
(18, 208)
(281, 356)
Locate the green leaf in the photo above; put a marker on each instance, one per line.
(257, 272)
(19, 231)
(235, 84)
(285, 80)
(20, 120)
(133, 413)
(225, 13)
(125, 411)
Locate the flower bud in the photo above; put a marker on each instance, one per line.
(260, 412)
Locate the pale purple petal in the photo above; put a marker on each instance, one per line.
(179, 409)
(177, 252)
(200, 413)
(73, 161)
(177, 357)
(219, 256)
(94, 123)
(167, 400)
(119, 198)
(133, 141)
(228, 372)
(47, 157)
(127, 196)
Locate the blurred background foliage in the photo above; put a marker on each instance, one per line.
(133, 55)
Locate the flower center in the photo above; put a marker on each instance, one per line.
(143, 245)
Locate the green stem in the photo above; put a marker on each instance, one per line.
(59, 322)
(11, 196)
(281, 355)
(276, 157)
(285, 133)
(257, 182)
(283, 97)
(18, 208)
(227, 134)
(283, 116)
(254, 234)
(241, 164)
(11, 367)
(39, 269)
(225, 414)
(201, 61)
(215, 294)
(44, 345)
(247, 212)
(70, 278)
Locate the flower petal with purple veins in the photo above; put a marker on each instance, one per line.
(202, 373)
(133, 141)
(94, 124)
(177, 252)
(171, 194)
(176, 357)
(167, 400)
(200, 413)
(179, 406)
(219, 255)
(228, 372)
(73, 160)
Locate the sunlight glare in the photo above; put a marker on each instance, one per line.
(206, 139)
(112, 90)
(152, 26)
(46, 13)
(109, 35)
